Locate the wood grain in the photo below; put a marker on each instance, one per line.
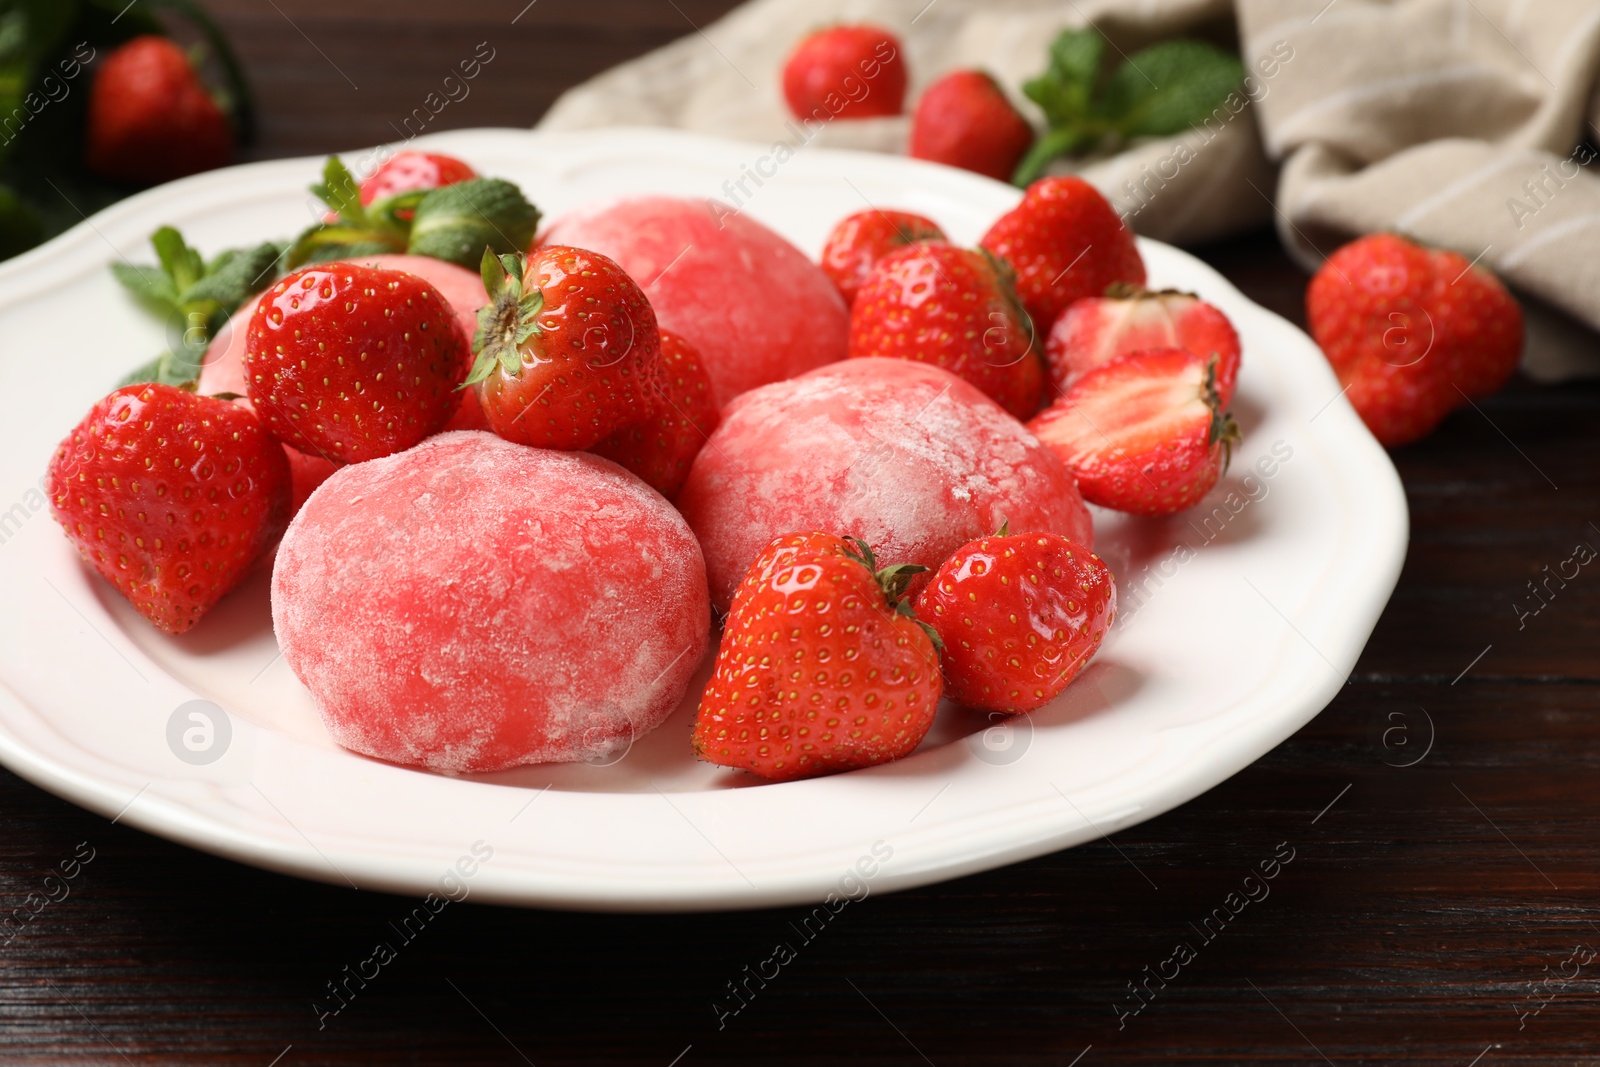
(1421, 903)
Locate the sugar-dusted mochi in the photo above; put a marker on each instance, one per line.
(751, 303)
(472, 604)
(906, 456)
(222, 370)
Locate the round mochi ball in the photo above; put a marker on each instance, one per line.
(473, 604)
(754, 306)
(905, 456)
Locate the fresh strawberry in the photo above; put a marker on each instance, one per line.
(955, 308)
(966, 120)
(1065, 242)
(851, 72)
(351, 363)
(150, 117)
(170, 496)
(661, 448)
(823, 666)
(408, 172)
(857, 243)
(568, 349)
(1145, 433)
(1020, 615)
(1099, 329)
(1412, 333)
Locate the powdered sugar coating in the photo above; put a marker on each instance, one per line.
(754, 307)
(904, 455)
(472, 604)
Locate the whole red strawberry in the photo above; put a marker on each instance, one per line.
(170, 497)
(851, 72)
(1020, 615)
(1099, 329)
(661, 448)
(1412, 333)
(406, 172)
(1146, 433)
(822, 667)
(150, 117)
(568, 348)
(966, 120)
(1065, 242)
(955, 308)
(351, 363)
(858, 242)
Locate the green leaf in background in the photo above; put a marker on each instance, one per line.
(456, 223)
(1169, 87)
(1156, 92)
(1064, 89)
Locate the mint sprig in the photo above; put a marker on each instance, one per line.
(453, 223)
(196, 295)
(1156, 92)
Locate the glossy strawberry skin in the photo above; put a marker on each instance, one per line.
(351, 363)
(1411, 332)
(1099, 329)
(1065, 242)
(952, 307)
(846, 72)
(592, 370)
(859, 242)
(662, 447)
(816, 672)
(150, 118)
(170, 497)
(1142, 434)
(408, 171)
(1020, 616)
(965, 120)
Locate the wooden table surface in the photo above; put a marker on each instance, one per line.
(1440, 912)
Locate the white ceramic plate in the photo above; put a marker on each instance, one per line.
(1237, 629)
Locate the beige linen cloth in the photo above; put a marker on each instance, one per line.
(1460, 123)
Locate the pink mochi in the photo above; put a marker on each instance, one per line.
(472, 605)
(906, 456)
(222, 370)
(751, 303)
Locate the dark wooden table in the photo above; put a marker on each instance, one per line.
(1429, 909)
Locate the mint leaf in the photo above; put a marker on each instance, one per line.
(340, 192)
(1161, 90)
(236, 275)
(1169, 87)
(457, 222)
(1064, 89)
(180, 262)
(151, 284)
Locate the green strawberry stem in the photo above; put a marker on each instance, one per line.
(508, 321)
(894, 580)
(1223, 428)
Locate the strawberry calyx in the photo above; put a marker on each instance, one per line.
(1006, 275)
(1223, 429)
(508, 321)
(893, 580)
(1130, 291)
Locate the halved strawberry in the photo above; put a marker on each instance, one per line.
(1129, 319)
(1145, 433)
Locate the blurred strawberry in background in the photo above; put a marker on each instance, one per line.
(151, 118)
(847, 72)
(966, 120)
